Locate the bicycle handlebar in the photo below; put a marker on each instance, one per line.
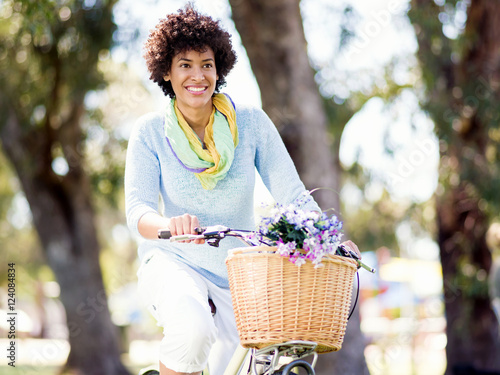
(164, 234)
(167, 235)
(214, 234)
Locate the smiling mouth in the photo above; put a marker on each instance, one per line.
(196, 89)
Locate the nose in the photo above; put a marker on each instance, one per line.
(198, 74)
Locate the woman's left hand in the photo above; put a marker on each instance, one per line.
(351, 245)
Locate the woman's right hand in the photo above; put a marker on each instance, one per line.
(185, 224)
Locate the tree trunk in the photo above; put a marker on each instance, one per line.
(63, 217)
(463, 100)
(273, 35)
(472, 326)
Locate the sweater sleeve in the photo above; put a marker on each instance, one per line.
(142, 174)
(275, 165)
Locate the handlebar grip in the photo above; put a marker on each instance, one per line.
(164, 234)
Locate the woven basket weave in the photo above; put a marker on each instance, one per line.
(276, 301)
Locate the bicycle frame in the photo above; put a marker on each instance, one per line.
(266, 361)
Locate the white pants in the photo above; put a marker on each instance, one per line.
(177, 297)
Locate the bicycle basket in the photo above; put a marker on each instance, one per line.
(276, 301)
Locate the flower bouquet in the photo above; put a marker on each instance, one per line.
(275, 301)
(298, 234)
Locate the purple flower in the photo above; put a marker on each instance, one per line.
(292, 229)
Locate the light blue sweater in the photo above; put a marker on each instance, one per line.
(152, 172)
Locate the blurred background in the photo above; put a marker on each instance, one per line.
(407, 95)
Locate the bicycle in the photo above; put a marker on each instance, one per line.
(276, 359)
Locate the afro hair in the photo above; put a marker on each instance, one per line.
(184, 31)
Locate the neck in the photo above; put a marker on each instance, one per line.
(197, 118)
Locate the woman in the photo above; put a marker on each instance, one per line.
(199, 156)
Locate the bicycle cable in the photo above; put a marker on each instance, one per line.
(356, 299)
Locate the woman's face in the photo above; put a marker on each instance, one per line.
(193, 76)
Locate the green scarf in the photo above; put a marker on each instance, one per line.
(209, 165)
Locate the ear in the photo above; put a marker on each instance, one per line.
(166, 77)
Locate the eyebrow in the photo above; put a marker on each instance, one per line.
(185, 59)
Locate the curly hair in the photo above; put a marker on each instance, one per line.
(184, 31)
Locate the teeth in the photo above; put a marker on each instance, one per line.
(196, 89)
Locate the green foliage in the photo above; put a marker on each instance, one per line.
(373, 223)
(456, 53)
(347, 28)
(7, 182)
(49, 52)
(440, 56)
(19, 242)
(472, 281)
(52, 55)
(462, 99)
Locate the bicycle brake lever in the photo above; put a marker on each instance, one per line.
(351, 254)
(215, 230)
(347, 252)
(214, 241)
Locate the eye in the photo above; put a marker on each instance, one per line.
(208, 65)
(184, 65)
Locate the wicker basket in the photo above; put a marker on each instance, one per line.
(276, 301)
